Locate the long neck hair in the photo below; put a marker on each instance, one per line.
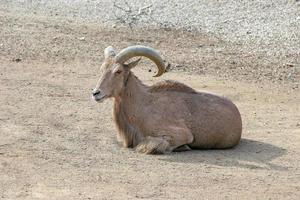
(127, 131)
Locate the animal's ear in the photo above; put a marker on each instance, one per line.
(109, 52)
(133, 63)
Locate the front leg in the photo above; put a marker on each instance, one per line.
(129, 139)
(166, 141)
(153, 145)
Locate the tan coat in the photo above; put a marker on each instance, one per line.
(168, 116)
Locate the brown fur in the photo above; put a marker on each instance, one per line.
(168, 115)
(127, 133)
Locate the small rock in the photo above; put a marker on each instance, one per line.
(168, 66)
(157, 43)
(296, 86)
(81, 38)
(114, 26)
(17, 60)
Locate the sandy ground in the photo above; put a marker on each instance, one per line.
(56, 143)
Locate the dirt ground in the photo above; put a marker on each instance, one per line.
(56, 143)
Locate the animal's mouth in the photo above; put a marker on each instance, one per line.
(99, 98)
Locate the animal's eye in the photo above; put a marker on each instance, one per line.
(118, 72)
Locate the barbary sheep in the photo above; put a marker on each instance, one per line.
(167, 116)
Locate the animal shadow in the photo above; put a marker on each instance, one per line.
(248, 154)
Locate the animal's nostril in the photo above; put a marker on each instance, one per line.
(96, 92)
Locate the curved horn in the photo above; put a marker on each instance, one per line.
(138, 50)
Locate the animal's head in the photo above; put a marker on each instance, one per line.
(115, 71)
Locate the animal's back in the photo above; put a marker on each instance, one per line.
(169, 85)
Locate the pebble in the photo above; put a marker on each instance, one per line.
(17, 60)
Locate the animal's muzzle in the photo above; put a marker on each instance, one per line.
(95, 92)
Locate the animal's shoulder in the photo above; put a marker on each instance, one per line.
(169, 85)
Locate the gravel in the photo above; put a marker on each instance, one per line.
(271, 27)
